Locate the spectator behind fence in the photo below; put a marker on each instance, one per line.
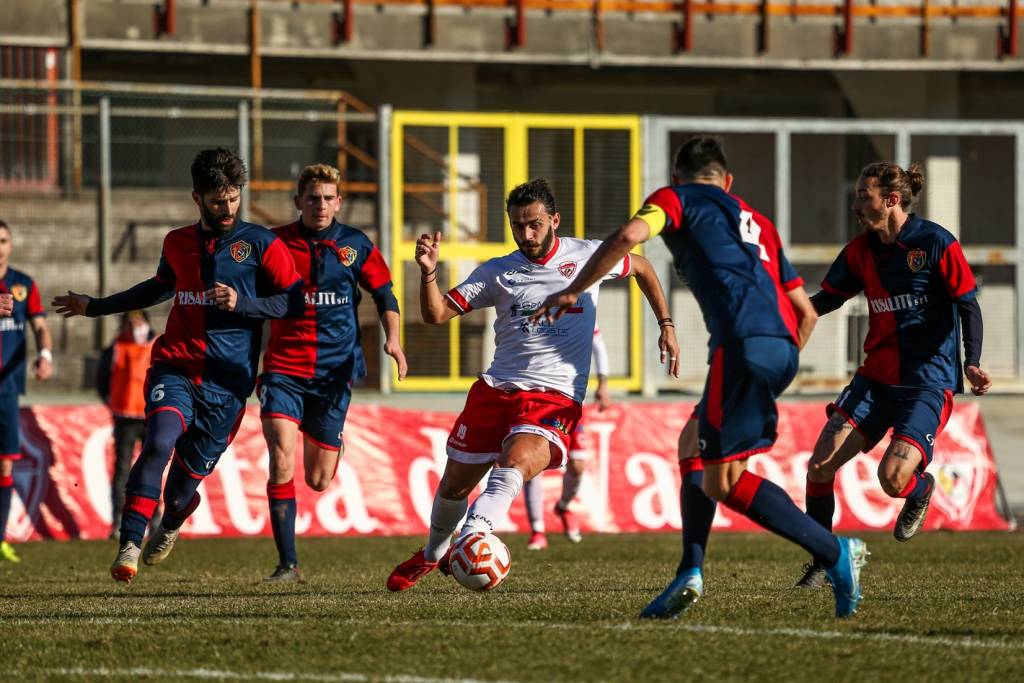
(121, 383)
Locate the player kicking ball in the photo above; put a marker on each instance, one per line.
(758, 317)
(920, 290)
(519, 415)
(311, 360)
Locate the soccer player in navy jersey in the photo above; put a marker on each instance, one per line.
(759, 317)
(224, 276)
(19, 306)
(920, 292)
(311, 360)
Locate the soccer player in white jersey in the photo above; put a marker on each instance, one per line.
(520, 413)
(579, 454)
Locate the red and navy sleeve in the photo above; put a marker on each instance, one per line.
(279, 267)
(956, 273)
(34, 305)
(843, 279)
(375, 278)
(662, 211)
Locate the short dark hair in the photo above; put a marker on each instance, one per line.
(217, 169)
(701, 155)
(3, 224)
(536, 190)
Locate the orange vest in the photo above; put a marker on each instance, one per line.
(128, 378)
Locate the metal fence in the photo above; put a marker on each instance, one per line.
(801, 173)
(93, 175)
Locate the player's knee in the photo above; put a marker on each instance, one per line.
(892, 481)
(820, 470)
(716, 487)
(319, 481)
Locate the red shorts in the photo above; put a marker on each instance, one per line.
(492, 415)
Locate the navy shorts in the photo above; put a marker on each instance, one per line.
(916, 415)
(738, 416)
(10, 428)
(210, 417)
(319, 407)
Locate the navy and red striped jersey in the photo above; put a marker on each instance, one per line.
(730, 256)
(216, 348)
(912, 287)
(333, 263)
(27, 305)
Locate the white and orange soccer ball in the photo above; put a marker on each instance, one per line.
(480, 561)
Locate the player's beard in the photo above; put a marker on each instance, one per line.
(212, 221)
(540, 250)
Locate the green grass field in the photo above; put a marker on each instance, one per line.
(943, 607)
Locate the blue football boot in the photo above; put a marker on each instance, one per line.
(845, 575)
(681, 594)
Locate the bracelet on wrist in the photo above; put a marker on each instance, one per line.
(422, 274)
(46, 354)
(666, 322)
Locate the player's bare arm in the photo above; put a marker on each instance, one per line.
(433, 306)
(650, 285)
(43, 364)
(392, 322)
(806, 316)
(6, 305)
(611, 251)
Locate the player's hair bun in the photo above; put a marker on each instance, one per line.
(915, 175)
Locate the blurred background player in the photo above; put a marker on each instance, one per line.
(311, 360)
(721, 245)
(920, 291)
(19, 305)
(121, 384)
(520, 413)
(579, 453)
(225, 276)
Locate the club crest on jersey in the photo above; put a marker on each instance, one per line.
(567, 268)
(348, 256)
(19, 292)
(240, 250)
(917, 259)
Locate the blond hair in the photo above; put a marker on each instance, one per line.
(319, 173)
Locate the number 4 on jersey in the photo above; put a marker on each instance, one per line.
(750, 232)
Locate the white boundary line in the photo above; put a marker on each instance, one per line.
(969, 643)
(222, 675)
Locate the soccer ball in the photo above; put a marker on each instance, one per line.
(480, 561)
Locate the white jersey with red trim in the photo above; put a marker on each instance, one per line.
(554, 356)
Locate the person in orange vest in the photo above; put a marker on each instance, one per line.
(121, 383)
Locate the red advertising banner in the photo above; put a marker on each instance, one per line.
(394, 458)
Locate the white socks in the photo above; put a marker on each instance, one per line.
(445, 515)
(570, 487)
(493, 505)
(534, 491)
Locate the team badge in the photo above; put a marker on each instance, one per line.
(567, 268)
(348, 256)
(19, 292)
(917, 259)
(240, 250)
